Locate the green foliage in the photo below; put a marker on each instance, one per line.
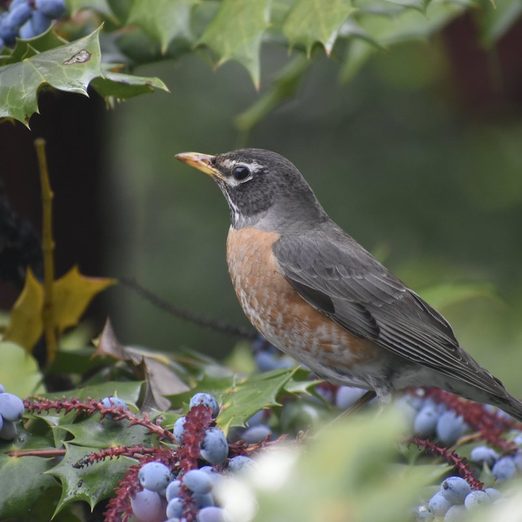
(89, 484)
(142, 31)
(240, 397)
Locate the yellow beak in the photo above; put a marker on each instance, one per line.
(202, 162)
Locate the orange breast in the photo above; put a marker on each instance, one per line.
(280, 314)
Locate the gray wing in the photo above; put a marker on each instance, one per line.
(337, 276)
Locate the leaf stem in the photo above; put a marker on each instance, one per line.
(48, 251)
(54, 452)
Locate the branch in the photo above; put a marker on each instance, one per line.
(182, 313)
(459, 463)
(48, 251)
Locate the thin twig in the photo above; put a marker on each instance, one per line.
(185, 314)
(48, 251)
(52, 452)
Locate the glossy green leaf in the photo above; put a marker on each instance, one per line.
(67, 68)
(402, 26)
(91, 483)
(19, 372)
(25, 488)
(163, 20)
(103, 433)
(123, 86)
(312, 21)
(240, 398)
(236, 31)
(128, 391)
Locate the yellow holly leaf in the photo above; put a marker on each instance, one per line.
(72, 294)
(26, 326)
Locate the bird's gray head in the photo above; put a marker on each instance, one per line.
(262, 188)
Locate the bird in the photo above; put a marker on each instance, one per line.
(316, 294)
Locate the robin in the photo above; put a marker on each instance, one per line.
(316, 294)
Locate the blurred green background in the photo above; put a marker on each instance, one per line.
(398, 156)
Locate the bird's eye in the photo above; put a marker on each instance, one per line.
(241, 172)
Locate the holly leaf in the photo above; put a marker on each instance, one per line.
(72, 294)
(23, 481)
(123, 86)
(163, 20)
(67, 68)
(25, 324)
(19, 372)
(104, 433)
(27, 48)
(240, 398)
(236, 31)
(91, 483)
(311, 21)
(128, 391)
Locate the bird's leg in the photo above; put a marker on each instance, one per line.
(357, 405)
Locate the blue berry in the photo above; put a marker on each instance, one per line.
(154, 476)
(347, 396)
(19, 14)
(203, 500)
(455, 514)
(256, 434)
(240, 462)
(438, 505)
(175, 508)
(425, 421)
(483, 454)
(256, 419)
(40, 22)
(179, 429)
(518, 439)
(211, 514)
(147, 505)
(11, 407)
(504, 469)
(476, 497)
(450, 428)
(114, 402)
(214, 448)
(206, 400)
(8, 431)
(173, 490)
(493, 494)
(197, 481)
(266, 361)
(51, 8)
(455, 490)
(27, 31)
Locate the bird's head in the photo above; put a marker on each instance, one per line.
(262, 188)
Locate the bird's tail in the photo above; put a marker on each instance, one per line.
(509, 404)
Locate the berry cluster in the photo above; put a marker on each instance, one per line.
(11, 411)
(185, 492)
(444, 418)
(28, 18)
